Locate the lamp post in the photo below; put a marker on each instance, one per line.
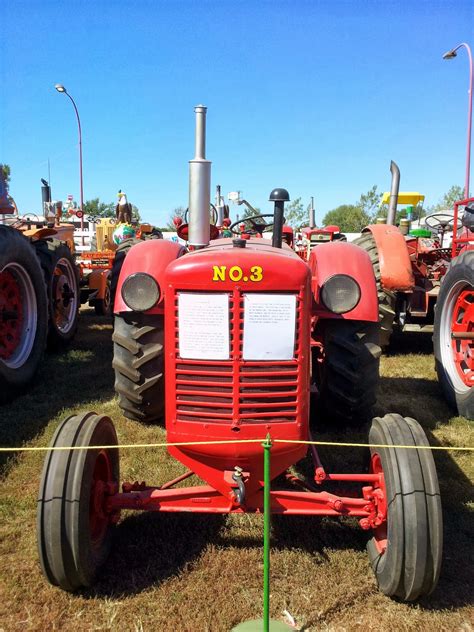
(450, 55)
(61, 88)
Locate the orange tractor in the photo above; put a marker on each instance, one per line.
(225, 339)
(39, 291)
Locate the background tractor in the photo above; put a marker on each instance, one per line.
(39, 291)
(246, 327)
(408, 264)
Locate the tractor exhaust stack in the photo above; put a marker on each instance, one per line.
(392, 208)
(199, 186)
(312, 218)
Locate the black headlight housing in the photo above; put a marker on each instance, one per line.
(340, 293)
(140, 292)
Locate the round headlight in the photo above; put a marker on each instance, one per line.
(140, 292)
(340, 293)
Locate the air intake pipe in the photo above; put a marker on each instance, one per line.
(392, 208)
(199, 186)
(312, 218)
(278, 197)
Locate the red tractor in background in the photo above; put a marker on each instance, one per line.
(453, 336)
(408, 265)
(226, 338)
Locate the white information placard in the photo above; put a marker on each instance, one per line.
(269, 326)
(203, 326)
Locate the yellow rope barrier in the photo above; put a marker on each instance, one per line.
(230, 441)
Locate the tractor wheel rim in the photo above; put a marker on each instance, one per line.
(64, 296)
(99, 519)
(380, 532)
(18, 315)
(457, 354)
(107, 299)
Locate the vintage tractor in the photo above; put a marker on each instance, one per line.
(39, 292)
(453, 336)
(408, 265)
(246, 326)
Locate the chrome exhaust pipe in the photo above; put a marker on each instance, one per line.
(392, 208)
(312, 217)
(199, 186)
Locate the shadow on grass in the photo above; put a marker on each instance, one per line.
(148, 548)
(403, 343)
(80, 374)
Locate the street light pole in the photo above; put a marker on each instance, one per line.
(450, 55)
(61, 88)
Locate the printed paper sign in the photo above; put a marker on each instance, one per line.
(203, 326)
(269, 326)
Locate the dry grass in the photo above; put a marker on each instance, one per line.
(195, 573)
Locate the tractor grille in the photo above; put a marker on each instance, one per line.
(237, 391)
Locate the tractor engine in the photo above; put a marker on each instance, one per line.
(237, 360)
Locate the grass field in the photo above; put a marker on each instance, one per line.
(204, 573)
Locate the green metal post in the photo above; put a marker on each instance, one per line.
(267, 446)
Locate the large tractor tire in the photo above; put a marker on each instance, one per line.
(406, 548)
(62, 283)
(454, 315)
(23, 312)
(348, 377)
(386, 298)
(74, 528)
(139, 365)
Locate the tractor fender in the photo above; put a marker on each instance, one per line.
(339, 257)
(97, 280)
(396, 274)
(152, 257)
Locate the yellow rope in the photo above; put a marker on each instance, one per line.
(230, 441)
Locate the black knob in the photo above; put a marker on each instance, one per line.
(279, 195)
(239, 243)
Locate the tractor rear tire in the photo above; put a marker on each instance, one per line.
(23, 294)
(349, 377)
(455, 358)
(73, 528)
(406, 550)
(62, 283)
(386, 298)
(139, 365)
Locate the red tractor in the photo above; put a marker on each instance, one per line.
(454, 317)
(408, 265)
(228, 337)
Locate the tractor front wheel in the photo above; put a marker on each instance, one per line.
(73, 524)
(62, 282)
(347, 376)
(103, 306)
(406, 548)
(138, 364)
(23, 312)
(453, 336)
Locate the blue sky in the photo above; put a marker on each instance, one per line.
(316, 97)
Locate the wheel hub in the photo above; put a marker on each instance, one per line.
(379, 496)
(462, 344)
(62, 297)
(11, 314)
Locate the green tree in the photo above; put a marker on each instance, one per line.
(6, 174)
(453, 194)
(370, 202)
(349, 217)
(295, 214)
(96, 208)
